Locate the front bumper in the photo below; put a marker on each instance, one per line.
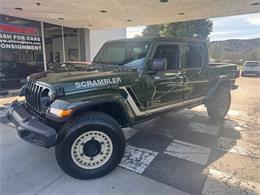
(30, 128)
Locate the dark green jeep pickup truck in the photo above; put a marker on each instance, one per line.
(81, 110)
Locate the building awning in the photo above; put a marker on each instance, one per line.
(102, 14)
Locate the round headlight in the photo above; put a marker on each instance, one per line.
(51, 95)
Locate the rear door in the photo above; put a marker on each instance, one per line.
(196, 70)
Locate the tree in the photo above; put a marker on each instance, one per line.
(189, 29)
(152, 31)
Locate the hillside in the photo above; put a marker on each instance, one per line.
(234, 50)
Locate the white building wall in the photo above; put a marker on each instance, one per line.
(99, 37)
(90, 43)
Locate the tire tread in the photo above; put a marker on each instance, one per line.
(76, 123)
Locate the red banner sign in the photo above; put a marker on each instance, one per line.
(7, 28)
(19, 37)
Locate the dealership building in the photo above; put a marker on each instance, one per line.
(39, 35)
(28, 46)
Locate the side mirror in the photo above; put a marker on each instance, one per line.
(159, 64)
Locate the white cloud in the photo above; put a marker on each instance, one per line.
(232, 27)
(254, 20)
(238, 36)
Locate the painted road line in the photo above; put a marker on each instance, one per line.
(223, 183)
(236, 113)
(201, 114)
(188, 151)
(203, 128)
(230, 124)
(237, 147)
(129, 132)
(137, 159)
(200, 108)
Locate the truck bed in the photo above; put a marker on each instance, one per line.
(223, 69)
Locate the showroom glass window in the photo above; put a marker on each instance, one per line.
(53, 45)
(20, 52)
(71, 44)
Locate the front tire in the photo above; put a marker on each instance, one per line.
(218, 106)
(93, 146)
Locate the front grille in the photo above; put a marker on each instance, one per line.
(34, 92)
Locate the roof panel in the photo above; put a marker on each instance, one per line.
(124, 13)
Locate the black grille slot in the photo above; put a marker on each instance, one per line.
(33, 95)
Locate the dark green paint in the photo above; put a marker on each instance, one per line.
(151, 89)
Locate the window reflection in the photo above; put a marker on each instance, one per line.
(17, 64)
(20, 58)
(53, 45)
(71, 44)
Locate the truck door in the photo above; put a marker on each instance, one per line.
(167, 84)
(195, 70)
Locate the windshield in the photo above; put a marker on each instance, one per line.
(252, 64)
(126, 54)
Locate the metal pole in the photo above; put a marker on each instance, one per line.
(79, 45)
(63, 44)
(43, 48)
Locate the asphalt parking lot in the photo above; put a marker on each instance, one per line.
(181, 153)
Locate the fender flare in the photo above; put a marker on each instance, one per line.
(78, 107)
(214, 85)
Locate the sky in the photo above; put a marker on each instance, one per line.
(232, 27)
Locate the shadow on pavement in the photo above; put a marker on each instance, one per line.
(160, 132)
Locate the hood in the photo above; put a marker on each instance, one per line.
(77, 81)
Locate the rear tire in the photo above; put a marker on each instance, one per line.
(93, 145)
(218, 106)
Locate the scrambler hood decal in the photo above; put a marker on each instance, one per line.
(98, 82)
(78, 82)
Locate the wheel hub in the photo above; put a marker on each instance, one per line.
(91, 150)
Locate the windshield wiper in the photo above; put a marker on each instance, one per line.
(109, 66)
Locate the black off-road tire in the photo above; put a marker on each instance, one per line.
(102, 127)
(218, 106)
